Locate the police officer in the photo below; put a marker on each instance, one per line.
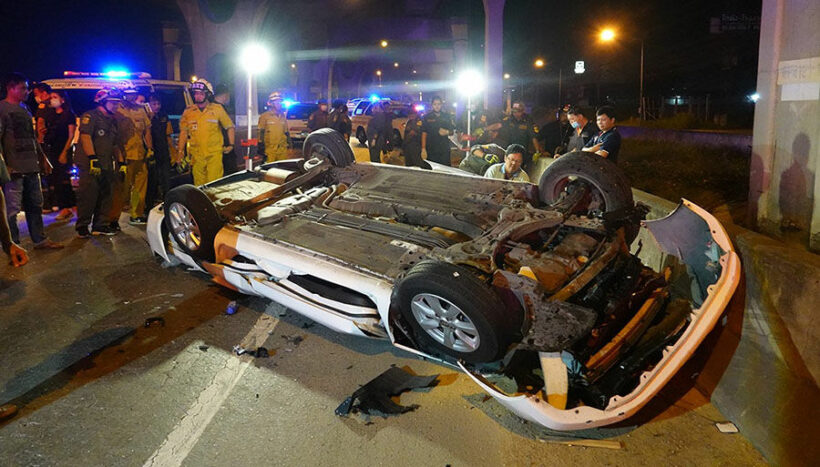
(200, 131)
(159, 173)
(273, 130)
(519, 128)
(135, 136)
(379, 130)
(318, 119)
(339, 120)
(437, 126)
(411, 144)
(97, 155)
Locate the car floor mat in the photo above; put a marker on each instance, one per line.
(374, 397)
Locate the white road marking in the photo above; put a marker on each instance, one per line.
(182, 439)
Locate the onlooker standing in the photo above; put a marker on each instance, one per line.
(510, 169)
(437, 126)
(273, 130)
(98, 152)
(608, 142)
(42, 95)
(222, 96)
(339, 120)
(583, 129)
(59, 147)
(24, 159)
(17, 255)
(159, 173)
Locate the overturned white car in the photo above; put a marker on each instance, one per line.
(513, 282)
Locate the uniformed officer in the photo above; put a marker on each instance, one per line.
(273, 130)
(411, 144)
(519, 128)
(379, 131)
(97, 155)
(437, 126)
(135, 136)
(339, 120)
(200, 132)
(318, 119)
(159, 173)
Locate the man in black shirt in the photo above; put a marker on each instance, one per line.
(159, 173)
(608, 142)
(583, 129)
(437, 126)
(339, 120)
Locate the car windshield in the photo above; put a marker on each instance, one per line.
(301, 111)
(172, 98)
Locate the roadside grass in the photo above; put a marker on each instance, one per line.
(708, 176)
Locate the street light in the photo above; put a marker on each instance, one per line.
(379, 74)
(395, 64)
(607, 35)
(469, 83)
(383, 44)
(506, 76)
(539, 63)
(255, 59)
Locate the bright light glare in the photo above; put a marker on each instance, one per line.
(116, 73)
(607, 34)
(374, 98)
(754, 97)
(378, 72)
(395, 64)
(383, 43)
(286, 103)
(539, 63)
(470, 83)
(506, 76)
(419, 108)
(254, 58)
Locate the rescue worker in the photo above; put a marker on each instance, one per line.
(481, 157)
(138, 147)
(339, 120)
(23, 159)
(97, 154)
(411, 144)
(273, 130)
(318, 119)
(437, 126)
(379, 130)
(159, 174)
(222, 96)
(200, 132)
(519, 128)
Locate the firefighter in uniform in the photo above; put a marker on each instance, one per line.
(200, 132)
(339, 120)
(318, 119)
(438, 125)
(135, 135)
(519, 128)
(273, 130)
(97, 156)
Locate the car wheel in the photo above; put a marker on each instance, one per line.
(193, 221)
(361, 136)
(329, 144)
(610, 189)
(453, 312)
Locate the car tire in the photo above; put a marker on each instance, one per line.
(605, 178)
(452, 312)
(361, 136)
(330, 144)
(193, 221)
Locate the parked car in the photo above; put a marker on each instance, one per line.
(297, 117)
(400, 111)
(530, 289)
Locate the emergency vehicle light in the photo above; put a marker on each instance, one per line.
(287, 103)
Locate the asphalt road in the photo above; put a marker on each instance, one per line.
(95, 386)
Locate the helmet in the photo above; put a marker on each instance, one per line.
(322, 101)
(110, 94)
(275, 96)
(127, 87)
(202, 85)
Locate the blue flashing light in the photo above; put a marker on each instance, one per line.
(374, 98)
(287, 103)
(419, 108)
(116, 73)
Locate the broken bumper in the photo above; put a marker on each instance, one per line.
(693, 235)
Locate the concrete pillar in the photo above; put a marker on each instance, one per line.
(493, 53)
(783, 186)
(171, 51)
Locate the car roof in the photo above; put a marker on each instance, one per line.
(99, 83)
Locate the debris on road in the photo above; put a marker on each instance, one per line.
(231, 308)
(374, 397)
(204, 348)
(260, 352)
(588, 443)
(155, 319)
(7, 411)
(294, 340)
(726, 427)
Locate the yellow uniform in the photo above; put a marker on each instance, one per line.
(274, 127)
(204, 131)
(133, 123)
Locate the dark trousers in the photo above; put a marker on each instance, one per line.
(412, 155)
(439, 155)
(376, 146)
(23, 192)
(229, 163)
(59, 183)
(159, 181)
(94, 199)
